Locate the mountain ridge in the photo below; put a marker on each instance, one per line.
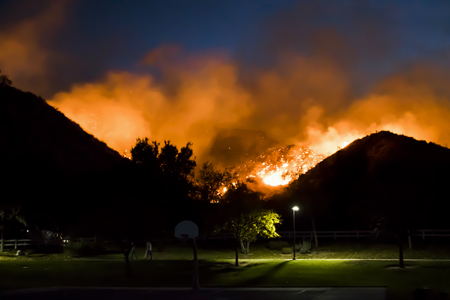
(376, 173)
(36, 133)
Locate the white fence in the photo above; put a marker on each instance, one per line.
(430, 232)
(344, 234)
(16, 243)
(21, 243)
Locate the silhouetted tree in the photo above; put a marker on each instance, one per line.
(125, 225)
(212, 183)
(8, 214)
(145, 153)
(168, 173)
(177, 162)
(168, 159)
(4, 80)
(313, 201)
(398, 217)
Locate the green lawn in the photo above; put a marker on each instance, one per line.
(173, 267)
(270, 273)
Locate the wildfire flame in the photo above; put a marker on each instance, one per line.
(279, 167)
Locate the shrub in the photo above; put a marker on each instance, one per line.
(286, 250)
(87, 249)
(277, 245)
(50, 249)
(305, 247)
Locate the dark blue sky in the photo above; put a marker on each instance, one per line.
(375, 37)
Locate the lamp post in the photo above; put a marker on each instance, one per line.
(294, 209)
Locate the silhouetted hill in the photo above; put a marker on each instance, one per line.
(380, 174)
(34, 132)
(48, 161)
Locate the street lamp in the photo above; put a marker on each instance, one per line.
(294, 209)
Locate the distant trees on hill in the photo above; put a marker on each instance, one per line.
(167, 160)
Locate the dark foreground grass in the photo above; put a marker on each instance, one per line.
(16, 274)
(172, 267)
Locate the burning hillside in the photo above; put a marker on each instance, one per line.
(279, 166)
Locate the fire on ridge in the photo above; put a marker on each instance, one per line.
(279, 166)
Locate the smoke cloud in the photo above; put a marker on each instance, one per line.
(297, 102)
(197, 99)
(25, 55)
(314, 75)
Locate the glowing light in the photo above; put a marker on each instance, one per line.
(276, 178)
(126, 154)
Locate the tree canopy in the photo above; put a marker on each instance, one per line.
(168, 175)
(212, 183)
(169, 160)
(245, 217)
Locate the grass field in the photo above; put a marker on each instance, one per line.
(263, 268)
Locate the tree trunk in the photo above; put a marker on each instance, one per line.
(126, 252)
(195, 284)
(316, 241)
(245, 245)
(241, 242)
(127, 264)
(401, 262)
(409, 240)
(2, 243)
(236, 263)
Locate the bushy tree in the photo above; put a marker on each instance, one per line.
(259, 223)
(169, 160)
(168, 174)
(245, 218)
(145, 153)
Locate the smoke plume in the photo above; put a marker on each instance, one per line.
(25, 55)
(314, 75)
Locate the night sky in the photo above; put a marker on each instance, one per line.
(92, 37)
(321, 62)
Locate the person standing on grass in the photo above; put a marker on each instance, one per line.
(133, 252)
(148, 251)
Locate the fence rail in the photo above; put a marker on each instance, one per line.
(430, 232)
(284, 234)
(18, 242)
(345, 234)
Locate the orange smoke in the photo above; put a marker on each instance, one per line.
(125, 106)
(303, 101)
(23, 56)
(415, 104)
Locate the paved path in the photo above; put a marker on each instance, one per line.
(85, 293)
